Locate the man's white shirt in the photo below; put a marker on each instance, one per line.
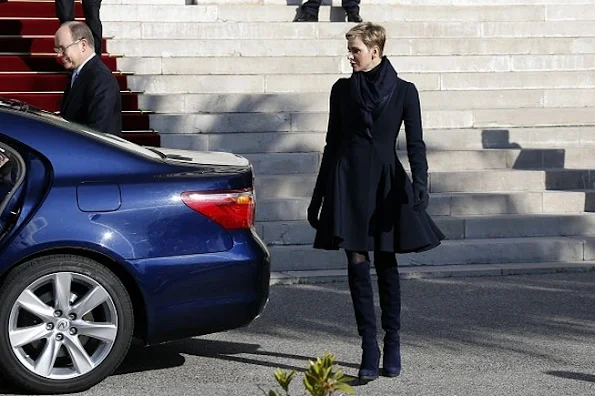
(77, 71)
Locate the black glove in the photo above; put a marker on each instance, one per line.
(421, 198)
(313, 210)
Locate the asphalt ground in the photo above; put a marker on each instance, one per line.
(501, 335)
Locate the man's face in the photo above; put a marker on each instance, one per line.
(71, 52)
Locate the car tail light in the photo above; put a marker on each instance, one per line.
(232, 209)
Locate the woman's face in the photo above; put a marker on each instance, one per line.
(361, 57)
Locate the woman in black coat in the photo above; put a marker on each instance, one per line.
(363, 200)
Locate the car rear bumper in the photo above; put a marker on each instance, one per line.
(199, 294)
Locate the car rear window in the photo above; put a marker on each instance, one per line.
(123, 143)
(106, 137)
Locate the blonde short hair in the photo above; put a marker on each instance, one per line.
(370, 33)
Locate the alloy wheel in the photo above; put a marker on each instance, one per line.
(63, 325)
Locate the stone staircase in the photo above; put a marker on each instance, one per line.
(507, 90)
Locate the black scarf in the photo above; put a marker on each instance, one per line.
(372, 90)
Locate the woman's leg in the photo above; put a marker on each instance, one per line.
(389, 291)
(362, 296)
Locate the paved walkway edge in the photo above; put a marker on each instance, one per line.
(438, 271)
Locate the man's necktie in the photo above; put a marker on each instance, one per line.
(75, 74)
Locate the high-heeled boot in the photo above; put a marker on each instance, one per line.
(362, 296)
(389, 291)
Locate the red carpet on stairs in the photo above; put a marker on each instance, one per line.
(51, 101)
(30, 71)
(38, 45)
(34, 9)
(53, 82)
(40, 63)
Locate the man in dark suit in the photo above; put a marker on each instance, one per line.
(65, 13)
(308, 12)
(92, 94)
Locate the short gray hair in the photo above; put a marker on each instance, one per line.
(79, 31)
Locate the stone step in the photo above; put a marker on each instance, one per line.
(293, 186)
(446, 160)
(284, 163)
(258, 83)
(517, 80)
(455, 204)
(337, 3)
(432, 119)
(288, 83)
(319, 101)
(378, 13)
(456, 227)
(407, 66)
(322, 30)
(154, 12)
(530, 137)
(147, 2)
(527, 117)
(265, 142)
(414, 12)
(455, 252)
(337, 47)
(328, 30)
(303, 122)
(435, 139)
(488, 159)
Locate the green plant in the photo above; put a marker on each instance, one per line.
(321, 379)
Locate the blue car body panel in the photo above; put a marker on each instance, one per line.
(85, 195)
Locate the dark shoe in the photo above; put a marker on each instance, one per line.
(369, 368)
(354, 17)
(303, 16)
(362, 296)
(391, 359)
(389, 291)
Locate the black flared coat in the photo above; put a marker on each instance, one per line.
(367, 195)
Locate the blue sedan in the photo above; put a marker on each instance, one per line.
(103, 240)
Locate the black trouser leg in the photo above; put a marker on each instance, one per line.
(389, 291)
(362, 296)
(65, 10)
(351, 6)
(311, 7)
(91, 10)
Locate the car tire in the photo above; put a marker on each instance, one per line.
(66, 323)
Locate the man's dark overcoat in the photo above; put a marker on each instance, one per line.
(94, 99)
(367, 195)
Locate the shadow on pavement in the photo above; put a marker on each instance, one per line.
(572, 375)
(169, 355)
(140, 358)
(228, 350)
